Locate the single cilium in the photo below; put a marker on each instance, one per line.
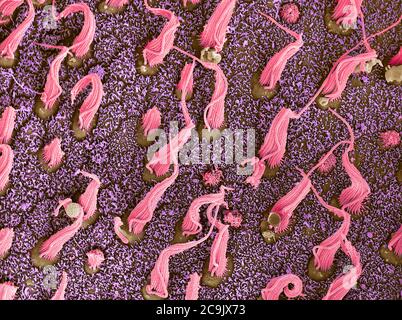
(50, 277)
(350, 281)
(200, 149)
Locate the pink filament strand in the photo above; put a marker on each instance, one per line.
(191, 223)
(61, 290)
(337, 79)
(186, 87)
(274, 147)
(151, 121)
(281, 284)
(7, 9)
(214, 34)
(258, 171)
(190, 1)
(163, 158)
(346, 12)
(160, 272)
(167, 155)
(117, 229)
(157, 49)
(340, 213)
(214, 113)
(62, 204)
(393, 25)
(353, 197)
(285, 206)
(95, 259)
(92, 102)
(6, 164)
(88, 200)
(193, 287)
(116, 3)
(53, 89)
(6, 240)
(397, 59)
(7, 123)
(82, 43)
(10, 45)
(52, 153)
(395, 244)
(324, 253)
(186, 78)
(213, 177)
(51, 247)
(7, 291)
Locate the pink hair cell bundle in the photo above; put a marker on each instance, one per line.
(200, 150)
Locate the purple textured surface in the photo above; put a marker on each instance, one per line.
(111, 152)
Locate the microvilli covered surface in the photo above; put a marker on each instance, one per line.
(85, 214)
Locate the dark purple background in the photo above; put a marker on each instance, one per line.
(112, 153)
